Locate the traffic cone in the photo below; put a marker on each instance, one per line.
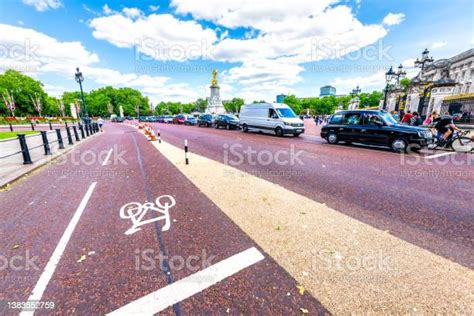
(152, 135)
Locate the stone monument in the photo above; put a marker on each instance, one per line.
(214, 104)
(73, 110)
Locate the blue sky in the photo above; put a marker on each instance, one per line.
(260, 48)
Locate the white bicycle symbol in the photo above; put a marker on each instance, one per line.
(136, 212)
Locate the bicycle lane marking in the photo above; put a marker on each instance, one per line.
(438, 155)
(180, 290)
(107, 256)
(53, 262)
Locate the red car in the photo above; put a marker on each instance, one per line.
(179, 119)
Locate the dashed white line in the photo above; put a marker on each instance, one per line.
(438, 155)
(48, 271)
(188, 286)
(107, 157)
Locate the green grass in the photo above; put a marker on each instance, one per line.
(7, 135)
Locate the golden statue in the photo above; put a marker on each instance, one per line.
(214, 78)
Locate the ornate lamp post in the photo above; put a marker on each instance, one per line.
(399, 74)
(355, 91)
(425, 59)
(388, 77)
(79, 79)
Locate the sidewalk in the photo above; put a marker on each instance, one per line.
(12, 168)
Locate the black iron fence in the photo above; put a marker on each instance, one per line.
(48, 138)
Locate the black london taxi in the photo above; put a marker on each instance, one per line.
(374, 127)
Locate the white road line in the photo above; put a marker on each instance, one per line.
(190, 285)
(107, 157)
(48, 272)
(439, 155)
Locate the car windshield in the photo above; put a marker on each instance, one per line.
(283, 112)
(232, 117)
(388, 118)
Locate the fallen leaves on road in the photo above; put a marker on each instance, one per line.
(301, 289)
(304, 310)
(82, 258)
(15, 247)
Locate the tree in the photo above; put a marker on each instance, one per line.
(405, 83)
(234, 105)
(20, 88)
(201, 105)
(294, 103)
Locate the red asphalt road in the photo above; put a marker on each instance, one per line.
(428, 202)
(36, 211)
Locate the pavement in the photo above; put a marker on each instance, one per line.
(11, 159)
(95, 253)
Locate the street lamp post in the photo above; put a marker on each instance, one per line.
(425, 59)
(399, 74)
(356, 91)
(79, 79)
(388, 77)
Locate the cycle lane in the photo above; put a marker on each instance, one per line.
(123, 268)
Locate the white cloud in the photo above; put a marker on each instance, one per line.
(161, 36)
(107, 10)
(154, 8)
(43, 5)
(132, 13)
(29, 49)
(35, 53)
(439, 44)
(393, 19)
(54, 91)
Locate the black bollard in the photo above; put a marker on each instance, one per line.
(24, 150)
(11, 127)
(60, 138)
(69, 137)
(76, 135)
(47, 150)
(81, 128)
(87, 130)
(50, 126)
(32, 126)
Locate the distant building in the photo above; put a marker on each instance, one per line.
(281, 98)
(327, 91)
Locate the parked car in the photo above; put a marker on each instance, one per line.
(191, 120)
(179, 119)
(374, 128)
(228, 121)
(168, 119)
(117, 119)
(276, 118)
(152, 119)
(205, 120)
(142, 118)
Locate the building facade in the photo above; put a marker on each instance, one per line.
(280, 98)
(327, 91)
(444, 86)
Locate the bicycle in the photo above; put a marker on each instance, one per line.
(458, 142)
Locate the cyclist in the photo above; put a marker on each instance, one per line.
(445, 128)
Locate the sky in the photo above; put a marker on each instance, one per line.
(168, 49)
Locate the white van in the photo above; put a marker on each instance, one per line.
(276, 118)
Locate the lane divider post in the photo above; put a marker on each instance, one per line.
(159, 136)
(186, 151)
